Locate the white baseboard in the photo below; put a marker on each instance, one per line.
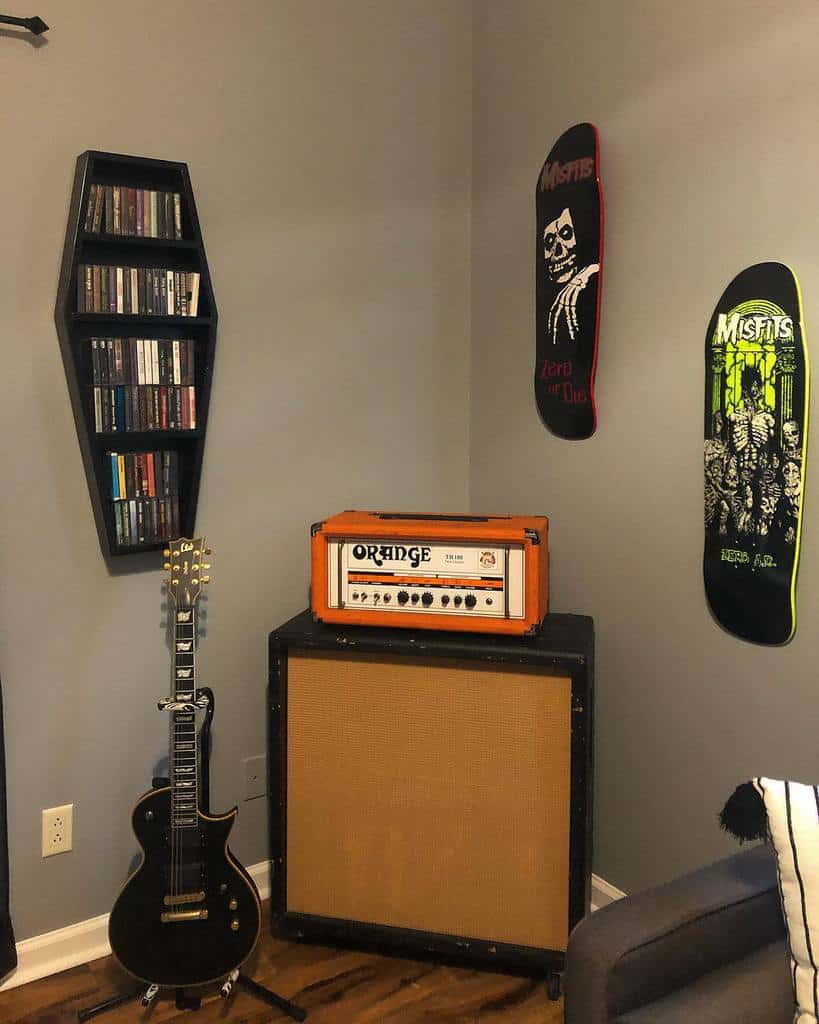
(79, 943)
(260, 873)
(603, 892)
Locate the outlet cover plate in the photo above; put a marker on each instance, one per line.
(58, 829)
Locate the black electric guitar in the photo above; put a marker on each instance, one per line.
(190, 913)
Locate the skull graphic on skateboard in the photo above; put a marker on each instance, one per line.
(757, 385)
(568, 262)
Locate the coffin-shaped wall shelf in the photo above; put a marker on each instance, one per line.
(136, 319)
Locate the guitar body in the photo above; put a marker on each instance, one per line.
(187, 948)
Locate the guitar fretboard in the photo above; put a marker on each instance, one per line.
(184, 766)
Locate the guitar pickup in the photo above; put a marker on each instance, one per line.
(184, 897)
(169, 916)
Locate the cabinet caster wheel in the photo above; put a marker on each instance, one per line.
(554, 986)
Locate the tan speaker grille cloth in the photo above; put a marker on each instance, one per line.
(429, 794)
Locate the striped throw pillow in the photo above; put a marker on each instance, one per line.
(793, 823)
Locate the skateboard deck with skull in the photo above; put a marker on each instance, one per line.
(568, 265)
(757, 386)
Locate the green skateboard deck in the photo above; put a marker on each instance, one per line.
(757, 386)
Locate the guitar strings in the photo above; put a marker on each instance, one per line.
(188, 732)
(176, 852)
(172, 880)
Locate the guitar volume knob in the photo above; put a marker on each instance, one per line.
(234, 924)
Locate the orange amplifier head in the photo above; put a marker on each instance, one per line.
(484, 574)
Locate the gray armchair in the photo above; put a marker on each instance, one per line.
(708, 947)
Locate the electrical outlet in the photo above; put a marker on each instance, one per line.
(57, 829)
(255, 776)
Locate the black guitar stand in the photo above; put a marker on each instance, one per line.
(184, 1001)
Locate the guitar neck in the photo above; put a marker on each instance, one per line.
(184, 767)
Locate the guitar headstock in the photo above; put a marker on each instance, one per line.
(186, 566)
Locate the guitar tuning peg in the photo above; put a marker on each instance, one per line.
(206, 579)
(167, 566)
(166, 552)
(206, 565)
(208, 551)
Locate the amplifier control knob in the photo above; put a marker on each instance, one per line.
(415, 599)
(470, 601)
(387, 598)
(445, 600)
(427, 599)
(458, 601)
(355, 595)
(403, 597)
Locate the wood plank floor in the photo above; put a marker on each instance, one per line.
(334, 986)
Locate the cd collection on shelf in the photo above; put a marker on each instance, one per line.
(143, 384)
(142, 360)
(144, 407)
(145, 491)
(144, 291)
(140, 212)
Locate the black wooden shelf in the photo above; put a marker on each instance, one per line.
(128, 439)
(141, 549)
(138, 241)
(139, 319)
(76, 329)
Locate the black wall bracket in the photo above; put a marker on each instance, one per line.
(35, 25)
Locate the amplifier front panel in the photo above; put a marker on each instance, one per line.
(430, 578)
(429, 794)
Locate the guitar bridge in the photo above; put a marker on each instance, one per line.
(184, 897)
(169, 916)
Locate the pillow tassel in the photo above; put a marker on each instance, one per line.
(744, 814)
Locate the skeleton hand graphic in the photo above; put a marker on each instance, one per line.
(565, 304)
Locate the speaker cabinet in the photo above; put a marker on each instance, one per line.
(431, 793)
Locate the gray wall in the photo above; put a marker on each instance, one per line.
(329, 145)
(329, 148)
(707, 118)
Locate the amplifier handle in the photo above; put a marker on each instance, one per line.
(437, 518)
